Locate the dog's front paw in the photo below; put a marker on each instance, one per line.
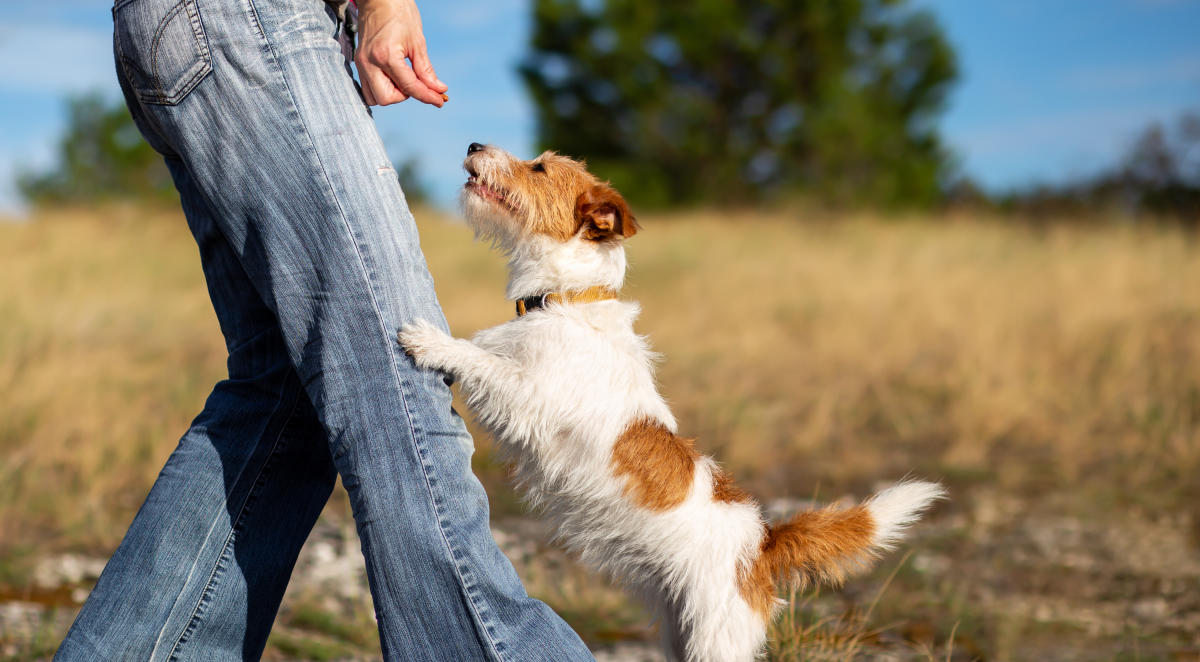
(425, 343)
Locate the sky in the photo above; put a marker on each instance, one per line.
(1049, 89)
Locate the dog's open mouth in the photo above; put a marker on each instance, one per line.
(487, 192)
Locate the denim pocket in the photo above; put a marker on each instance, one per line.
(161, 48)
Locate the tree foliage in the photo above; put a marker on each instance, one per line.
(1162, 169)
(712, 100)
(101, 155)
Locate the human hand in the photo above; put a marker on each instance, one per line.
(391, 37)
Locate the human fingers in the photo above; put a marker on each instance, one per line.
(423, 68)
(378, 87)
(403, 77)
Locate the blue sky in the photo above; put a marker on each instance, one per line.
(1050, 89)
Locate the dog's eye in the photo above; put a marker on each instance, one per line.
(538, 167)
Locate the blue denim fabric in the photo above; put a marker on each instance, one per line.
(313, 264)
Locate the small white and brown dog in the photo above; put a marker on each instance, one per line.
(568, 390)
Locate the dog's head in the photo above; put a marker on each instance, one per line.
(561, 226)
(551, 196)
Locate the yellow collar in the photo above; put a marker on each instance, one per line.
(590, 295)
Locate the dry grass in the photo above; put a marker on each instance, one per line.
(1056, 365)
(859, 351)
(108, 346)
(840, 354)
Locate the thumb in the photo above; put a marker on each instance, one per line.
(424, 69)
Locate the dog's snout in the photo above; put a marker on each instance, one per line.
(474, 147)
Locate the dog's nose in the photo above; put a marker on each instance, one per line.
(474, 147)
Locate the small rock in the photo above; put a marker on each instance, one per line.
(1150, 610)
(630, 652)
(67, 569)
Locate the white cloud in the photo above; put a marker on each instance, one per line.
(1179, 71)
(61, 59)
(1053, 147)
(1087, 129)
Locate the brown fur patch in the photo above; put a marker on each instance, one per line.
(658, 465)
(814, 546)
(603, 214)
(726, 491)
(554, 195)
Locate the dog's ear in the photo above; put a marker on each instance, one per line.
(603, 214)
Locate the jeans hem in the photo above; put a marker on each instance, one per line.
(235, 527)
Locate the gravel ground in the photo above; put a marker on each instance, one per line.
(1039, 585)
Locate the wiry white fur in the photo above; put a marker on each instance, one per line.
(545, 265)
(557, 387)
(900, 506)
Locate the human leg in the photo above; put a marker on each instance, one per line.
(205, 562)
(290, 165)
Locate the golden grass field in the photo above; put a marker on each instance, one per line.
(1049, 375)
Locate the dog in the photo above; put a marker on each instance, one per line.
(568, 390)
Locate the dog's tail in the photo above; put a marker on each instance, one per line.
(823, 546)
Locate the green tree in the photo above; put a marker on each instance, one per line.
(1158, 176)
(101, 156)
(713, 100)
(1161, 171)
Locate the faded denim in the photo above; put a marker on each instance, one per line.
(313, 264)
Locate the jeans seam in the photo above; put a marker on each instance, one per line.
(243, 511)
(485, 630)
(256, 23)
(156, 94)
(162, 26)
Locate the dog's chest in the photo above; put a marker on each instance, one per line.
(580, 383)
(553, 345)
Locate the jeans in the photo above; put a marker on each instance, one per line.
(312, 261)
